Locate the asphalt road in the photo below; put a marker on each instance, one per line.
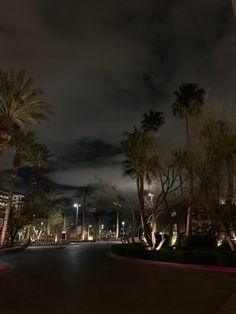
(84, 279)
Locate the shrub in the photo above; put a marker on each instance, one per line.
(199, 242)
(204, 257)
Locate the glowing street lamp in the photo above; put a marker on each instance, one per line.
(151, 196)
(123, 226)
(76, 217)
(102, 227)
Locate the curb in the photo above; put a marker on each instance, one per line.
(4, 268)
(176, 265)
(34, 247)
(13, 248)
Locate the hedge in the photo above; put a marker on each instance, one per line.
(203, 257)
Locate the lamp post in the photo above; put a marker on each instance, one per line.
(102, 226)
(76, 217)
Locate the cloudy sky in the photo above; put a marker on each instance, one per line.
(102, 64)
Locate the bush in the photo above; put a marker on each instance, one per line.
(203, 257)
(196, 242)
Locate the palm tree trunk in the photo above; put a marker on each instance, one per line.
(117, 223)
(230, 168)
(83, 218)
(34, 177)
(145, 229)
(154, 231)
(5, 224)
(99, 225)
(217, 187)
(7, 214)
(133, 227)
(189, 214)
(141, 205)
(181, 186)
(15, 166)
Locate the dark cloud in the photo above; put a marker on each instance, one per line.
(104, 63)
(91, 151)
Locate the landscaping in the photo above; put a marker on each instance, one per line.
(216, 257)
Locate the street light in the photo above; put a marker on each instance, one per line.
(123, 227)
(76, 217)
(102, 226)
(151, 196)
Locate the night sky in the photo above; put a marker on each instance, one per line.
(102, 64)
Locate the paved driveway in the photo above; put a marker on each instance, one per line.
(83, 279)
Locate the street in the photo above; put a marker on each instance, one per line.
(84, 279)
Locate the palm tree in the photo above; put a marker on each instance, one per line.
(20, 104)
(63, 203)
(20, 142)
(189, 100)
(84, 192)
(179, 162)
(100, 204)
(37, 157)
(118, 202)
(140, 165)
(152, 121)
(51, 200)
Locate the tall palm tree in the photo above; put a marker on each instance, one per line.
(51, 199)
(118, 202)
(21, 104)
(84, 192)
(179, 162)
(20, 142)
(189, 101)
(63, 203)
(140, 165)
(37, 157)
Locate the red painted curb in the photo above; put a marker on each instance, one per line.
(4, 268)
(177, 265)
